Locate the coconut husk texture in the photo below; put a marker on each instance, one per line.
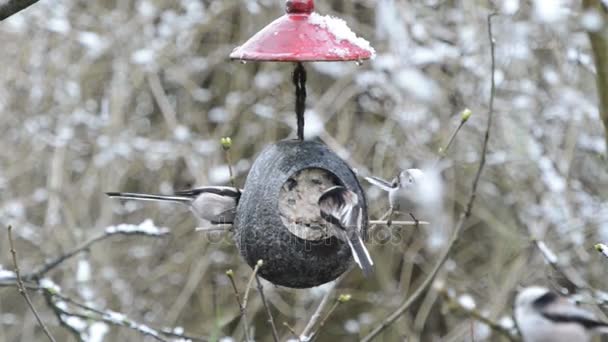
(293, 257)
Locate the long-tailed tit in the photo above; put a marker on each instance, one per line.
(544, 316)
(340, 207)
(403, 191)
(216, 204)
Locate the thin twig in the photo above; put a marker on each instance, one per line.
(317, 314)
(250, 282)
(343, 298)
(478, 316)
(464, 117)
(469, 209)
(21, 287)
(396, 223)
(237, 296)
(48, 296)
(275, 334)
(10, 7)
(574, 279)
(292, 331)
(226, 145)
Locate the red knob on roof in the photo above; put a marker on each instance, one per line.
(303, 35)
(299, 6)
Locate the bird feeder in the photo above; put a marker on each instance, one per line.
(284, 183)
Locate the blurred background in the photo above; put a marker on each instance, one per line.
(134, 95)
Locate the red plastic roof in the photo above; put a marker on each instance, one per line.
(303, 35)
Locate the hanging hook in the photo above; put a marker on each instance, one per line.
(299, 80)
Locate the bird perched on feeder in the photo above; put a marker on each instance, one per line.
(403, 191)
(340, 207)
(216, 204)
(544, 316)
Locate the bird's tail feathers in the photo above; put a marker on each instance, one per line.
(361, 255)
(381, 183)
(147, 197)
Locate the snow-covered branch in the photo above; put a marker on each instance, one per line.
(146, 228)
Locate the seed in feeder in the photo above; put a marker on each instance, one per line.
(299, 203)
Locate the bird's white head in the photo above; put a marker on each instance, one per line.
(410, 177)
(527, 296)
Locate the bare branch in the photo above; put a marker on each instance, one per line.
(250, 282)
(317, 314)
(275, 334)
(22, 289)
(464, 117)
(478, 316)
(237, 296)
(469, 208)
(397, 223)
(292, 331)
(10, 7)
(343, 298)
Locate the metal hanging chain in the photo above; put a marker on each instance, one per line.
(299, 80)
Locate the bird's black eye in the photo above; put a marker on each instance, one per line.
(411, 180)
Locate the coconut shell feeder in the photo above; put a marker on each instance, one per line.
(277, 217)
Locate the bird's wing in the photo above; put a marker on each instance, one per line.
(339, 203)
(562, 310)
(381, 183)
(215, 208)
(218, 190)
(340, 207)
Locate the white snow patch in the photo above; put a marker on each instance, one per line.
(339, 29)
(147, 227)
(552, 179)
(97, 332)
(219, 174)
(93, 41)
(115, 317)
(592, 21)
(467, 302)
(506, 322)
(510, 6)
(352, 326)
(59, 25)
(314, 124)
(83, 273)
(143, 56)
(76, 322)
(48, 284)
(549, 10)
(6, 274)
(181, 133)
(418, 84)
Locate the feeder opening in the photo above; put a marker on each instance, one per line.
(298, 203)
